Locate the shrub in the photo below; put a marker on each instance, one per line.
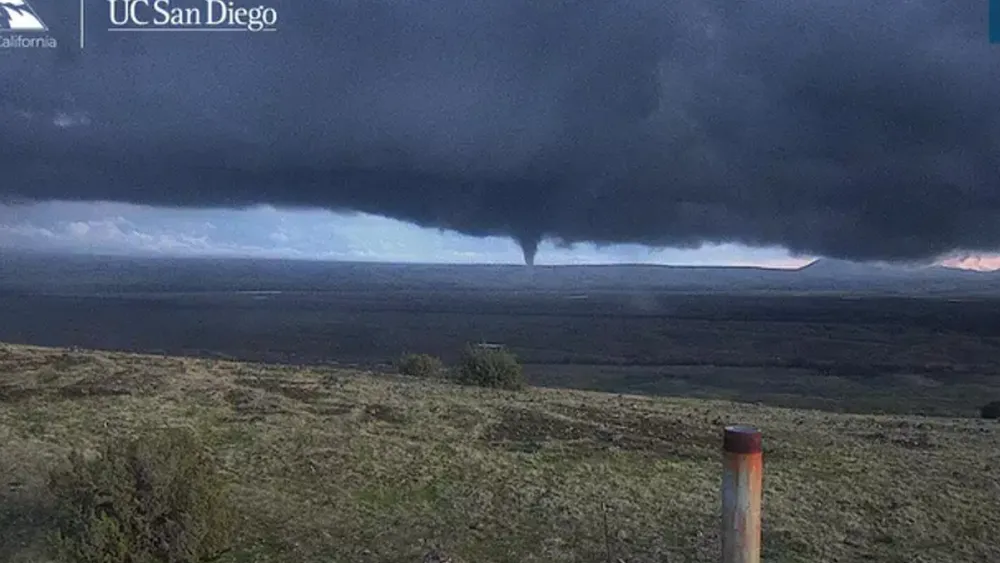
(489, 367)
(155, 498)
(420, 365)
(991, 410)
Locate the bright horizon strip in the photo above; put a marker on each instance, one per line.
(265, 231)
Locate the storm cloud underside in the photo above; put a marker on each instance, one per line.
(841, 129)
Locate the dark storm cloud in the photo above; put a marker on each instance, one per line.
(845, 128)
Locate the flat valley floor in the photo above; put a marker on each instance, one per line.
(864, 354)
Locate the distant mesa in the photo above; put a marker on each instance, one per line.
(833, 268)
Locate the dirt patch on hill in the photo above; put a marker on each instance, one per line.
(302, 391)
(910, 440)
(255, 402)
(17, 393)
(331, 409)
(530, 430)
(384, 413)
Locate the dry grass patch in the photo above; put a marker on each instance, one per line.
(352, 467)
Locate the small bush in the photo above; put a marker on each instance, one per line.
(489, 367)
(156, 498)
(991, 410)
(420, 365)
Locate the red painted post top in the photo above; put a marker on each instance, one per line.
(742, 440)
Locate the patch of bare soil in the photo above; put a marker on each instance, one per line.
(908, 439)
(85, 389)
(305, 392)
(331, 409)
(17, 393)
(527, 430)
(460, 416)
(384, 413)
(254, 402)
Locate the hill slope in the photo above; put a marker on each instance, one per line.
(344, 466)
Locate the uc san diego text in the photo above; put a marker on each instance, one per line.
(221, 14)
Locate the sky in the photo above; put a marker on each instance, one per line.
(582, 129)
(264, 231)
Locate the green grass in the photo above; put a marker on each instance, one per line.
(328, 466)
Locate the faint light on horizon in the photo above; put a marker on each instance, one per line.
(978, 262)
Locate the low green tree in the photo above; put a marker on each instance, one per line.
(420, 365)
(990, 410)
(157, 497)
(489, 367)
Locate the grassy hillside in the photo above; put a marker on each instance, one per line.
(332, 465)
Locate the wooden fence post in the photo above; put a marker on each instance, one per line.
(742, 480)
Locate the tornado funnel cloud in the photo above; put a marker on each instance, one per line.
(529, 247)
